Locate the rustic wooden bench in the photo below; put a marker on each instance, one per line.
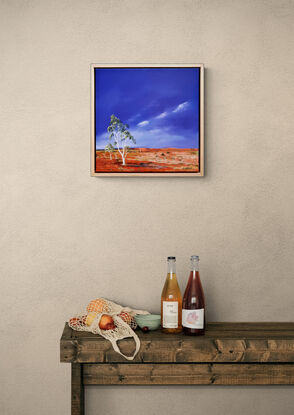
(228, 354)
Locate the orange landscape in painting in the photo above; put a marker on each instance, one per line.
(149, 160)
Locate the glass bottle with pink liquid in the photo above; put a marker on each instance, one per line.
(193, 313)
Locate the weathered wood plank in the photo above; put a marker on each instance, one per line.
(233, 330)
(188, 374)
(249, 346)
(77, 390)
(68, 350)
(200, 350)
(67, 332)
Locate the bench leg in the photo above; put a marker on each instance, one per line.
(77, 390)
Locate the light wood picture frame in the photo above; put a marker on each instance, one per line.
(147, 120)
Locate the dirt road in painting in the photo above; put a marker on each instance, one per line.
(149, 160)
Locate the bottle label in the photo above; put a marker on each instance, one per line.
(193, 319)
(170, 314)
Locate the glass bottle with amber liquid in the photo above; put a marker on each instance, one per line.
(193, 313)
(171, 300)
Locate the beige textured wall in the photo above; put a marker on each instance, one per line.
(67, 237)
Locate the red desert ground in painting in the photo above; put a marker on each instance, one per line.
(149, 160)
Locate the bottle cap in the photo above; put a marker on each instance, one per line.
(171, 258)
(194, 258)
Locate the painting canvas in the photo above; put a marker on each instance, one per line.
(147, 120)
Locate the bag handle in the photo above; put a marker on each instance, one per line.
(116, 348)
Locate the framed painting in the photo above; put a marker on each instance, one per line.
(147, 120)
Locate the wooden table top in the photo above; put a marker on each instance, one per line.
(223, 342)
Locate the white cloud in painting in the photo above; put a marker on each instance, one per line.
(181, 107)
(162, 115)
(143, 123)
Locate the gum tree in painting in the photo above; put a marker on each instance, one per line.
(109, 149)
(119, 137)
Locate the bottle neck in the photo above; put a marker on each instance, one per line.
(194, 265)
(171, 267)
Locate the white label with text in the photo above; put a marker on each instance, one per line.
(193, 319)
(170, 314)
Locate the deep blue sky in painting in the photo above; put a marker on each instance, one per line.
(161, 105)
